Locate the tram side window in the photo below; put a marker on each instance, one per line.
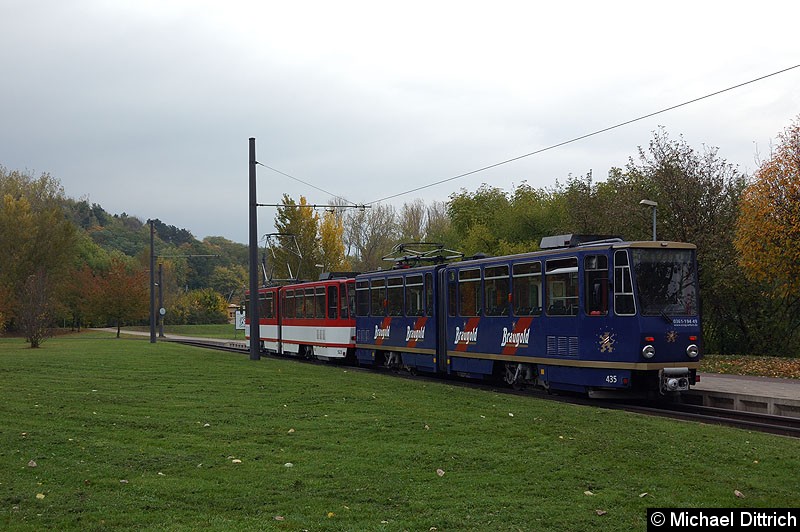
(429, 294)
(288, 304)
(469, 283)
(394, 296)
(562, 286)
(495, 290)
(452, 291)
(623, 285)
(319, 303)
(349, 310)
(362, 298)
(377, 293)
(526, 296)
(309, 303)
(333, 302)
(596, 285)
(267, 307)
(414, 295)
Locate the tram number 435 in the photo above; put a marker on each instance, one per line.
(611, 379)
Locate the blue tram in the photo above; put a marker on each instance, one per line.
(591, 316)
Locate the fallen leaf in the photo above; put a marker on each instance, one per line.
(207, 425)
(40, 496)
(587, 492)
(330, 514)
(642, 495)
(279, 518)
(600, 512)
(236, 461)
(291, 431)
(32, 464)
(123, 481)
(440, 472)
(510, 414)
(738, 494)
(288, 464)
(427, 427)
(160, 474)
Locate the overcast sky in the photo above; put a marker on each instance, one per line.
(146, 106)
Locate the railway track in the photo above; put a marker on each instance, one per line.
(781, 425)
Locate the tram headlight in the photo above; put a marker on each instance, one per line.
(648, 351)
(692, 351)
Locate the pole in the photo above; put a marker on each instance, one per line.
(255, 330)
(160, 301)
(654, 223)
(152, 283)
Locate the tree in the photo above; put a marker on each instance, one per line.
(331, 241)
(199, 307)
(36, 238)
(370, 234)
(768, 229)
(301, 222)
(768, 234)
(36, 308)
(122, 295)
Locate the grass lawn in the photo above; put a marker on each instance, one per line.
(103, 433)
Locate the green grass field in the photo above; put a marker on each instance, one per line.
(103, 433)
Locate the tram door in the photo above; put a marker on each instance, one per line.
(445, 289)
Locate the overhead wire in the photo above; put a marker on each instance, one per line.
(541, 150)
(581, 137)
(307, 184)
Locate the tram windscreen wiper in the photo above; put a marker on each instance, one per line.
(666, 317)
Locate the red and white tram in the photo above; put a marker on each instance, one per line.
(314, 319)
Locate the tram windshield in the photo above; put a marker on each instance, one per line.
(666, 280)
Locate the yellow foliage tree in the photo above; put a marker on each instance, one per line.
(768, 230)
(331, 240)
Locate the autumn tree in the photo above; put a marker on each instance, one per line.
(297, 249)
(122, 295)
(199, 307)
(36, 239)
(36, 308)
(768, 232)
(331, 240)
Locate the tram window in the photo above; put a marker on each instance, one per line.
(452, 291)
(429, 294)
(309, 303)
(266, 306)
(333, 302)
(495, 290)
(299, 304)
(623, 285)
(469, 283)
(362, 298)
(377, 292)
(562, 286)
(526, 297)
(349, 310)
(596, 285)
(394, 296)
(319, 303)
(288, 304)
(414, 295)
